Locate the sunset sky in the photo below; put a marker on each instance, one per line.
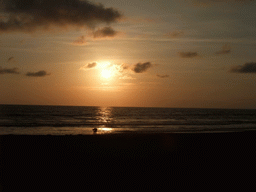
(138, 53)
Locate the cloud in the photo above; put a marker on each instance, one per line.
(188, 54)
(163, 76)
(121, 68)
(11, 59)
(31, 15)
(9, 71)
(89, 66)
(141, 67)
(104, 32)
(37, 74)
(80, 41)
(225, 49)
(245, 68)
(175, 34)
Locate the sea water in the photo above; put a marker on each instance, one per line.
(75, 120)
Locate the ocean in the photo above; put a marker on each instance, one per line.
(80, 120)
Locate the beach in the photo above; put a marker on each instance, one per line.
(127, 161)
(107, 95)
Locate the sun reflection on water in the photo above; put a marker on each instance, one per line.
(106, 129)
(105, 115)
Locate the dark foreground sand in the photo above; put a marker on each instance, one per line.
(133, 162)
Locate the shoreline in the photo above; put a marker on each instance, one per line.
(76, 131)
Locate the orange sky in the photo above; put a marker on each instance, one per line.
(191, 53)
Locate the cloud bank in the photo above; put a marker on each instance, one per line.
(188, 54)
(9, 71)
(31, 15)
(104, 32)
(37, 74)
(245, 68)
(141, 67)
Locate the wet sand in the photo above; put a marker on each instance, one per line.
(128, 161)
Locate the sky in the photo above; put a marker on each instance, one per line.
(137, 53)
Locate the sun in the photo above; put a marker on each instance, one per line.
(106, 73)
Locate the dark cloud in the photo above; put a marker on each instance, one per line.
(104, 32)
(11, 59)
(225, 49)
(163, 76)
(9, 71)
(89, 66)
(188, 54)
(80, 41)
(141, 67)
(30, 15)
(245, 68)
(37, 74)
